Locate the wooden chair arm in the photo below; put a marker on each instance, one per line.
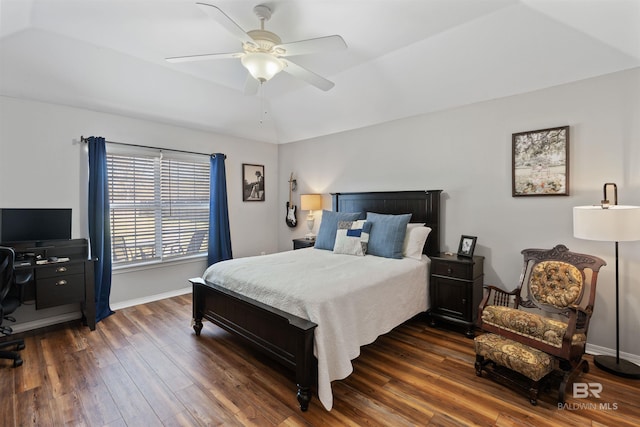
(577, 309)
(500, 297)
(500, 290)
(582, 315)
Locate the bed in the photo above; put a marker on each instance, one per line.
(320, 351)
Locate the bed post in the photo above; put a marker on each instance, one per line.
(197, 304)
(305, 362)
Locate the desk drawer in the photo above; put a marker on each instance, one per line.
(61, 269)
(453, 269)
(59, 290)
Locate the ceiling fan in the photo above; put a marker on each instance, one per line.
(263, 53)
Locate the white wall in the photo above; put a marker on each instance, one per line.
(467, 153)
(43, 164)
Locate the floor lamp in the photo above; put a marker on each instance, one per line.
(611, 223)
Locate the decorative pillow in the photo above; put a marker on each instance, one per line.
(414, 240)
(387, 234)
(352, 237)
(326, 237)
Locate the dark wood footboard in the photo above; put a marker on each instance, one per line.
(284, 337)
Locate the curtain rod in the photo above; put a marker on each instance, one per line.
(85, 140)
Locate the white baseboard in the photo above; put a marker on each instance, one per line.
(596, 350)
(151, 298)
(46, 321)
(67, 317)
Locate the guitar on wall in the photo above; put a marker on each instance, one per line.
(291, 208)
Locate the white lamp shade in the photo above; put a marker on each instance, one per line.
(618, 223)
(310, 202)
(262, 66)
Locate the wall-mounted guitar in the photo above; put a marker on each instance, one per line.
(291, 208)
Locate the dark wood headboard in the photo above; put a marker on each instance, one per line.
(423, 205)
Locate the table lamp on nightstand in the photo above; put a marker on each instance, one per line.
(310, 202)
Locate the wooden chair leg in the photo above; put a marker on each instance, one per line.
(479, 364)
(569, 377)
(533, 392)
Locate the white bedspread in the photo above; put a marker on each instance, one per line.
(352, 299)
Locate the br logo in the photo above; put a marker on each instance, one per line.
(584, 390)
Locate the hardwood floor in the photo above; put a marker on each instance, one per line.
(145, 366)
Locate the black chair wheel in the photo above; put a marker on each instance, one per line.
(20, 347)
(17, 362)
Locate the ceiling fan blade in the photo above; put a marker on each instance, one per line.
(206, 57)
(228, 23)
(251, 85)
(320, 44)
(308, 76)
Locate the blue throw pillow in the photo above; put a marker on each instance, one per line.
(326, 238)
(386, 238)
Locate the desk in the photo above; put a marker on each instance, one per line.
(59, 283)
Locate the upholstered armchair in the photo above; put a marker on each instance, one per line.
(540, 328)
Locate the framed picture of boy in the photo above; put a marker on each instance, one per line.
(252, 183)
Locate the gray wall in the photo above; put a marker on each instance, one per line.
(43, 164)
(467, 153)
(464, 151)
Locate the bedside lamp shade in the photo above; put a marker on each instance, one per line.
(311, 202)
(618, 223)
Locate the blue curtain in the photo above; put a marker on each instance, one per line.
(219, 232)
(99, 231)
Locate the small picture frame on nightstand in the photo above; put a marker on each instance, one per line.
(467, 246)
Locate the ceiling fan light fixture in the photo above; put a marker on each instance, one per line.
(262, 66)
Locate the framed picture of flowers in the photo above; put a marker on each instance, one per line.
(541, 162)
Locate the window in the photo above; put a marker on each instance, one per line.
(159, 206)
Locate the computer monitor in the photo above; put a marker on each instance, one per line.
(19, 225)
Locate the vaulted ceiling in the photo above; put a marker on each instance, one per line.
(404, 58)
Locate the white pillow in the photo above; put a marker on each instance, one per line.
(414, 240)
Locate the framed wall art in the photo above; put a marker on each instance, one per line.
(541, 162)
(252, 183)
(467, 246)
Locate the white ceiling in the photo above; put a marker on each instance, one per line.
(404, 57)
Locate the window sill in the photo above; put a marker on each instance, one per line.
(150, 265)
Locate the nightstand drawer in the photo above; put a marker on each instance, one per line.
(452, 269)
(59, 290)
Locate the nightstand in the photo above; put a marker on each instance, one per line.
(303, 243)
(455, 290)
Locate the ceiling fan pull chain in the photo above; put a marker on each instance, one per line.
(262, 110)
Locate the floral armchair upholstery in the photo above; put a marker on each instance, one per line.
(542, 325)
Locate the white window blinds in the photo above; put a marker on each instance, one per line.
(159, 207)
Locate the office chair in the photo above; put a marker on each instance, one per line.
(8, 305)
